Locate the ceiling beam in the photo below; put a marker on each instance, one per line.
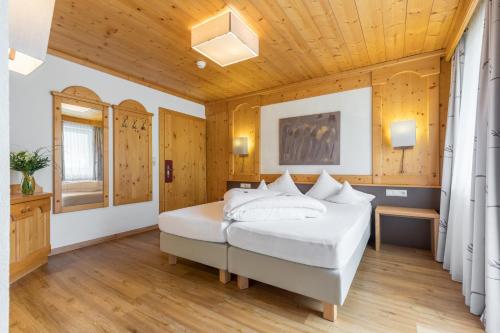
(119, 74)
(460, 22)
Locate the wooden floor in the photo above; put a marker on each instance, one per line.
(127, 286)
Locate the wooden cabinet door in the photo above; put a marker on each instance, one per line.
(13, 242)
(182, 141)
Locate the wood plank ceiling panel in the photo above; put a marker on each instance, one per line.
(149, 41)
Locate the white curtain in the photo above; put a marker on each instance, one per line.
(469, 239)
(485, 258)
(79, 152)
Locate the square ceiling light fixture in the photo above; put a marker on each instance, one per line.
(225, 39)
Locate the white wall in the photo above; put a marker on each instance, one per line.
(4, 172)
(355, 108)
(31, 127)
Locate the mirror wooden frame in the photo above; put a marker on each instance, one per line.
(85, 97)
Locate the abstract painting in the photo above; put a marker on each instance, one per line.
(310, 140)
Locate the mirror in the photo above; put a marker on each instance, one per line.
(80, 150)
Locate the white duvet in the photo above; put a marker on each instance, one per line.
(265, 205)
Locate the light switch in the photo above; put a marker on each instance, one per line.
(396, 193)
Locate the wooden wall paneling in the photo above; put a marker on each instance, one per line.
(244, 121)
(132, 153)
(402, 92)
(311, 178)
(327, 86)
(199, 161)
(346, 80)
(444, 95)
(218, 152)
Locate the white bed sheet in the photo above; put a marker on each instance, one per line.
(203, 222)
(328, 241)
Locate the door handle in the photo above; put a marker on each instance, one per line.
(169, 171)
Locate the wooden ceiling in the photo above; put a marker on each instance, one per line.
(149, 41)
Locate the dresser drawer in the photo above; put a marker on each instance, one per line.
(27, 209)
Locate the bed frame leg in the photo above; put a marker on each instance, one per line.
(172, 260)
(242, 282)
(329, 311)
(224, 276)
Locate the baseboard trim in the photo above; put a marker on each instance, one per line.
(76, 246)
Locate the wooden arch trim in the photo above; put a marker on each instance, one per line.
(131, 106)
(81, 93)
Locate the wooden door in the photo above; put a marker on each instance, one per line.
(182, 141)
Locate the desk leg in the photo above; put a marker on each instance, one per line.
(434, 235)
(377, 231)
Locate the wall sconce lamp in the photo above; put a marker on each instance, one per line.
(403, 136)
(240, 146)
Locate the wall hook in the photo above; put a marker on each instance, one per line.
(133, 125)
(124, 122)
(143, 127)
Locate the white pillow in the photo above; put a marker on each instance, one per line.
(348, 195)
(284, 184)
(262, 185)
(324, 187)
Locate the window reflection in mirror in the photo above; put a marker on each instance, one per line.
(82, 155)
(80, 150)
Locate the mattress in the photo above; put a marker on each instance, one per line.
(328, 241)
(203, 222)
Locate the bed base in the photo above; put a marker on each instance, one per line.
(327, 285)
(207, 253)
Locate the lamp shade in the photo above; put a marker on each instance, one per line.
(240, 146)
(403, 133)
(225, 39)
(29, 30)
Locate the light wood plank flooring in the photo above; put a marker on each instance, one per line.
(127, 285)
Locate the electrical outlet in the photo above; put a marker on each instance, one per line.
(245, 185)
(395, 193)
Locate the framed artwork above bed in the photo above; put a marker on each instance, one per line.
(310, 140)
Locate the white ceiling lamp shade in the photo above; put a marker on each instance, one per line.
(29, 30)
(225, 39)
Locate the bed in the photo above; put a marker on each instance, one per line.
(196, 233)
(316, 257)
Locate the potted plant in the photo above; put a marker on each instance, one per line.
(27, 163)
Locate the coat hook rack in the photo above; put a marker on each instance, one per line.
(124, 122)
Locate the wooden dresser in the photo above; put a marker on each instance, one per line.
(29, 233)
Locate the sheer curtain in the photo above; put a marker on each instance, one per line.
(98, 144)
(79, 152)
